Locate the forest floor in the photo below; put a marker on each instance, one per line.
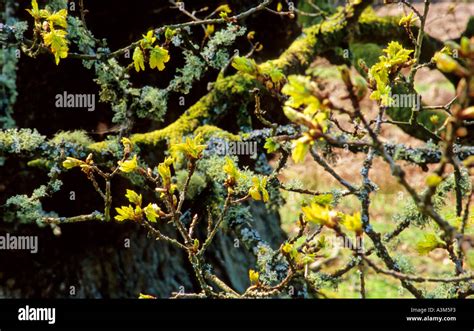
(446, 21)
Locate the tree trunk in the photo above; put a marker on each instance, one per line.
(97, 260)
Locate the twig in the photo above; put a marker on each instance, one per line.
(419, 279)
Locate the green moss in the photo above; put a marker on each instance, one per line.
(98, 147)
(175, 131)
(209, 131)
(40, 163)
(369, 52)
(329, 73)
(226, 92)
(78, 137)
(300, 50)
(107, 146)
(379, 30)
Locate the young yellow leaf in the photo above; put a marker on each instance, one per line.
(300, 149)
(251, 35)
(315, 213)
(165, 171)
(134, 197)
(287, 247)
(151, 212)
(258, 191)
(445, 62)
(169, 34)
(192, 148)
(158, 57)
(34, 11)
(57, 42)
(71, 162)
(223, 15)
(129, 165)
(146, 296)
(353, 223)
(148, 40)
(209, 30)
(224, 8)
(407, 20)
(433, 180)
(396, 54)
(428, 243)
(58, 18)
(300, 91)
(245, 65)
(254, 277)
(271, 145)
(231, 169)
(125, 213)
(127, 144)
(275, 74)
(138, 59)
(263, 189)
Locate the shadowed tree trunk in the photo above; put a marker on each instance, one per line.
(95, 260)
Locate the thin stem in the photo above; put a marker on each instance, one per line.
(216, 226)
(419, 279)
(419, 39)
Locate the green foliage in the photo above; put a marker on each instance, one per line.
(192, 148)
(271, 145)
(430, 242)
(245, 65)
(129, 213)
(367, 52)
(138, 59)
(128, 165)
(380, 73)
(258, 191)
(157, 55)
(52, 27)
(78, 137)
